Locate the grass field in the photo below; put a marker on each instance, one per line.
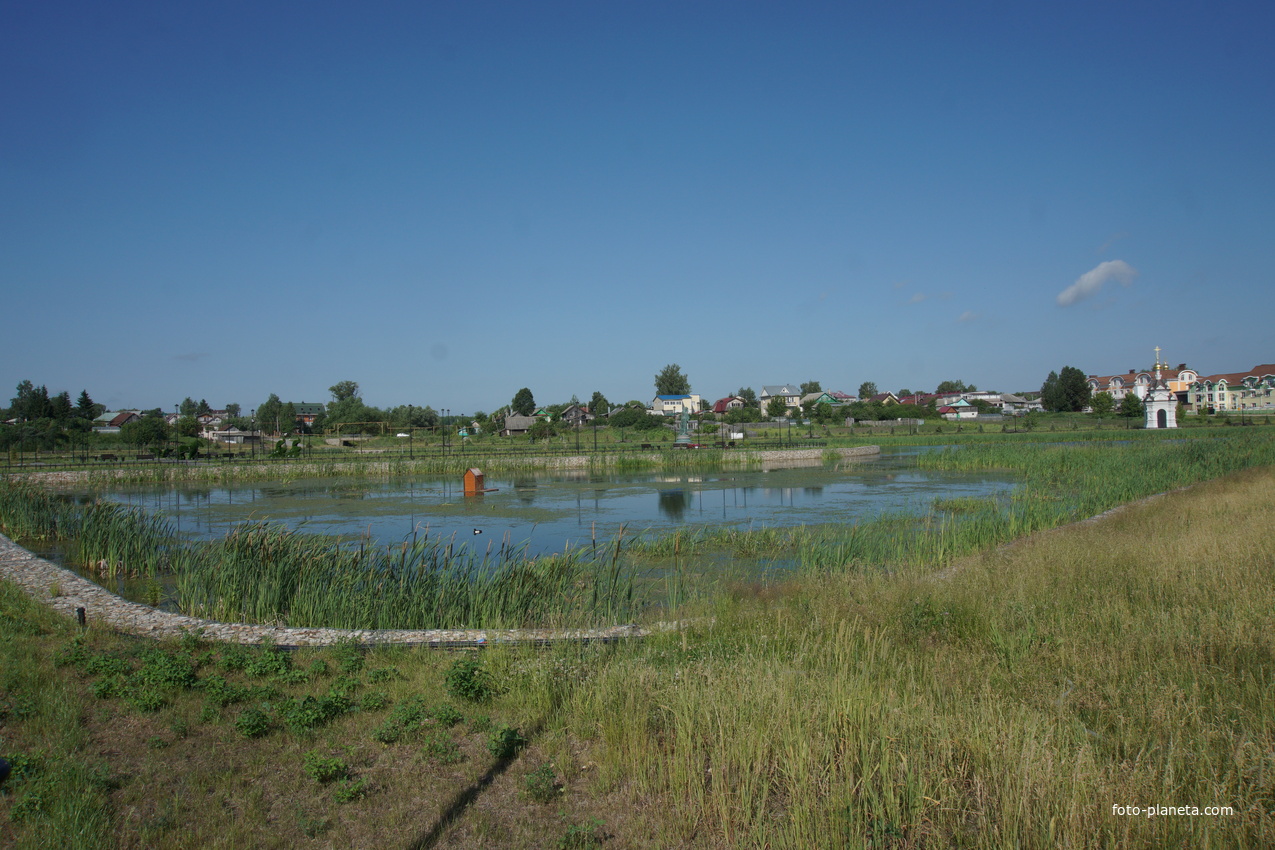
(1007, 695)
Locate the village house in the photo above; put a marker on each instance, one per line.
(959, 409)
(789, 393)
(673, 405)
(575, 414)
(726, 405)
(516, 425)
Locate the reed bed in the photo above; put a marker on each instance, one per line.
(267, 573)
(1062, 483)
(105, 538)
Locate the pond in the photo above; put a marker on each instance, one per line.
(547, 511)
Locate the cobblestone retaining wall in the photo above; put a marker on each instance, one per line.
(40, 578)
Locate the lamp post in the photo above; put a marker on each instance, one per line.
(252, 433)
(410, 456)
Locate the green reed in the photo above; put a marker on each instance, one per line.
(267, 573)
(1062, 483)
(106, 538)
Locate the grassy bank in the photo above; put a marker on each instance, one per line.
(1011, 703)
(1010, 700)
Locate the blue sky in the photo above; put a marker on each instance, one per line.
(448, 201)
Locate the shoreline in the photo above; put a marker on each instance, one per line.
(766, 458)
(40, 578)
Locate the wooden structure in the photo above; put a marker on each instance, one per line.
(473, 481)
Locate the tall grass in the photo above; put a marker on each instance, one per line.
(266, 573)
(1011, 704)
(106, 538)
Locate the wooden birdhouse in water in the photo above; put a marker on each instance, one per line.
(473, 481)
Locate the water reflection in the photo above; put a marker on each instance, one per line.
(673, 504)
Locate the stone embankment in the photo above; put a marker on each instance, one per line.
(67, 593)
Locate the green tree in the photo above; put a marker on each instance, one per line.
(598, 405)
(949, 387)
(1103, 404)
(749, 397)
(905, 391)
(188, 407)
(85, 408)
(636, 418)
(1132, 407)
(811, 387)
(541, 429)
(1074, 389)
(343, 390)
(287, 418)
(31, 402)
(202, 408)
(671, 381)
(187, 426)
(524, 403)
(410, 416)
(350, 410)
(232, 410)
(268, 414)
(867, 390)
(776, 407)
(1051, 393)
(150, 430)
(60, 408)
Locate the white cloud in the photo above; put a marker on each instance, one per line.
(1093, 280)
(968, 316)
(918, 298)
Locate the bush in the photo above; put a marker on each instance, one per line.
(374, 701)
(541, 785)
(388, 732)
(306, 713)
(268, 661)
(505, 742)
(253, 722)
(165, 669)
(441, 749)
(349, 656)
(324, 769)
(351, 790)
(467, 680)
(383, 674)
(446, 716)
